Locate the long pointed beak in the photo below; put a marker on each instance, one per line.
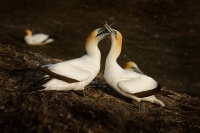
(136, 69)
(103, 31)
(108, 27)
(106, 33)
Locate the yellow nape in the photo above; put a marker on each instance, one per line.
(119, 41)
(129, 65)
(28, 32)
(92, 35)
(119, 35)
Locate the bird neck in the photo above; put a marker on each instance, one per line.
(92, 49)
(115, 50)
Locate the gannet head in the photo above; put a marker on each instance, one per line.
(132, 65)
(113, 32)
(97, 35)
(28, 32)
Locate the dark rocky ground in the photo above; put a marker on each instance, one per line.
(162, 36)
(102, 110)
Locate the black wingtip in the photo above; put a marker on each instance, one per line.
(40, 82)
(159, 87)
(164, 92)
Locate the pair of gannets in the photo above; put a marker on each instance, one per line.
(75, 74)
(37, 39)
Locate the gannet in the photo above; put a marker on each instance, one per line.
(132, 66)
(75, 74)
(131, 84)
(37, 39)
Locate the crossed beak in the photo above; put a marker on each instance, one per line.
(109, 29)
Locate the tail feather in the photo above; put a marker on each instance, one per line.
(166, 94)
(39, 83)
(48, 41)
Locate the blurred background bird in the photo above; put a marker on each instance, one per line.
(37, 39)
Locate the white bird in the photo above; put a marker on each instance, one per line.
(75, 74)
(37, 39)
(132, 66)
(127, 82)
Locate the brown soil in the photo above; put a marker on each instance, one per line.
(163, 34)
(101, 110)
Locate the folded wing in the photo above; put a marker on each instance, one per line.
(67, 73)
(141, 86)
(39, 38)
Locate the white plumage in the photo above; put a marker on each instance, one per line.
(128, 82)
(37, 39)
(81, 70)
